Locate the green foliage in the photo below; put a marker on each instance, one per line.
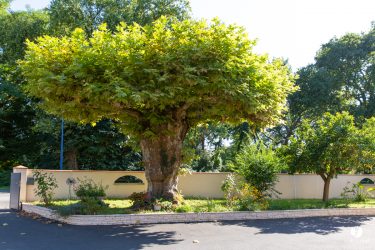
(204, 147)
(341, 79)
(357, 192)
(140, 201)
(157, 81)
(349, 61)
(88, 14)
(210, 205)
(91, 196)
(256, 167)
(329, 146)
(91, 206)
(185, 208)
(229, 187)
(45, 185)
(250, 198)
(206, 69)
(5, 178)
(366, 141)
(4, 5)
(15, 28)
(165, 205)
(259, 166)
(30, 137)
(243, 195)
(87, 190)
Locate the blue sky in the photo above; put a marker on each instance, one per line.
(292, 29)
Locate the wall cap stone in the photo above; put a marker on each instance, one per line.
(20, 167)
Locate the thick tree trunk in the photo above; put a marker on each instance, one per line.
(71, 159)
(327, 182)
(162, 157)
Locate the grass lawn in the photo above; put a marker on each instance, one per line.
(4, 187)
(290, 204)
(123, 206)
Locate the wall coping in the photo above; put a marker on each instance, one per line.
(203, 173)
(20, 167)
(133, 219)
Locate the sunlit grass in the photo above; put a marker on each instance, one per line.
(123, 206)
(291, 204)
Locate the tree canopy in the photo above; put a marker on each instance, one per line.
(141, 75)
(329, 146)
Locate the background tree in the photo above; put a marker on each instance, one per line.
(18, 143)
(4, 5)
(327, 146)
(204, 147)
(158, 81)
(341, 79)
(89, 14)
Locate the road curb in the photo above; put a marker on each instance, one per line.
(132, 219)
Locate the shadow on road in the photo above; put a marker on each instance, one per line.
(141, 234)
(318, 225)
(27, 233)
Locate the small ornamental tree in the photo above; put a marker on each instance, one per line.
(259, 166)
(157, 81)
(329, 146)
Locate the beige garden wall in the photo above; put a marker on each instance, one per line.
(191, 185)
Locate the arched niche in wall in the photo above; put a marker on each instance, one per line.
(128, 179)
(366, 181)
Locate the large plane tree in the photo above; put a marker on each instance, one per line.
(158, 81)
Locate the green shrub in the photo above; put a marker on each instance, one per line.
(46, 183)
(140, 201)
(91, 206)
(91, 195)
(164, 204)
(230, 189)
(357, 192)
(87, 189)
(259, 166)
(249, 198)
(242, 195)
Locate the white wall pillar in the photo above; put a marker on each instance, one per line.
(23, 171)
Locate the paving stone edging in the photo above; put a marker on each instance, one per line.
(131, 219)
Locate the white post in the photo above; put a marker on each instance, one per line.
(23, 190)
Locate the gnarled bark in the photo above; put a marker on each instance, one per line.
(162, 157)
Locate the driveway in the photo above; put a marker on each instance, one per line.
(4, 199)
(24, 233)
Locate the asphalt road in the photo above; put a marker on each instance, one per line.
(24, 233)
